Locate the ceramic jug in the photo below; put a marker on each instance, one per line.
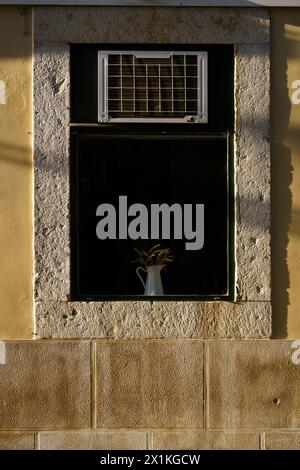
(153, 284)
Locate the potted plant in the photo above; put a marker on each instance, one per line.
(152, 262)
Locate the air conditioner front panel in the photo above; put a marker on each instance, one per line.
(159, 86)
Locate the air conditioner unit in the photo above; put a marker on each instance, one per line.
(152, 86)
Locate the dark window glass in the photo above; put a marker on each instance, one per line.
(149, 169)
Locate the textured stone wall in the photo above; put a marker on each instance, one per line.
(56, 316)
(181, 392)
(188, 389)
(149, 394)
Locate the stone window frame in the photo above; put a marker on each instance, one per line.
(55, 315)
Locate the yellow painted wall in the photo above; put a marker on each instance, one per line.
(285, 121)
(16, 305)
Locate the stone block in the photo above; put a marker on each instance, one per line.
(282, 440)
(149, 384)
(45, 385)
(16, 441)
(252, 384)
(206, 440)
(129, 320)
(151, 25)
(91, 440)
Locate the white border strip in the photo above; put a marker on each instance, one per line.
(2, 353)
(2, 92)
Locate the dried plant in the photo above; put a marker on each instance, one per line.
(156, 255)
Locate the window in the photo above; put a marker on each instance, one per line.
(141, 183)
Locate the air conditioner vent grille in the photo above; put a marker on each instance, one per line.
(137, 87)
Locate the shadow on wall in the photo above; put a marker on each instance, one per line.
(282, 48)
(15, 31)
(15, 154)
